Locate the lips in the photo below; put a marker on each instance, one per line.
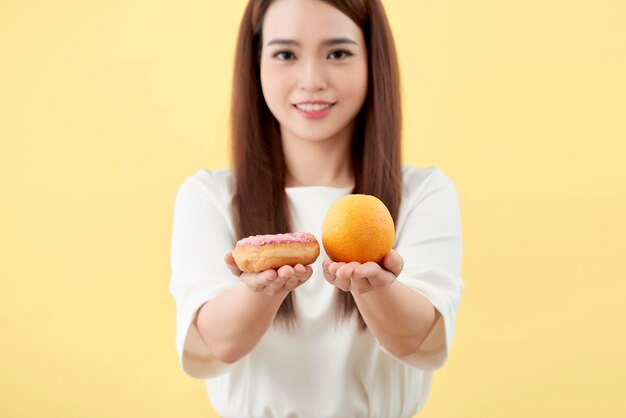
(313, 102)
(313, 106)
(314, 109)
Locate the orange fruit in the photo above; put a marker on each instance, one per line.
(358, 227)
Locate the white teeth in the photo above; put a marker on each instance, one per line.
(313, 107)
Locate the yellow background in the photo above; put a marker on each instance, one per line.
(107, 106)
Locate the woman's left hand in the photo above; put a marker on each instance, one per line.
(365, 277)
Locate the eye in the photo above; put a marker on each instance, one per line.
(284, 55)
(340, 54)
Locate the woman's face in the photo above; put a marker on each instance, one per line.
(313, 69)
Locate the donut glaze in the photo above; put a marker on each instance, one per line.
(263, 252)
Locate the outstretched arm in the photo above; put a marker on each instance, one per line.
(233, 323)
(399, 317)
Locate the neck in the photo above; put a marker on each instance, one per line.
(318, 163)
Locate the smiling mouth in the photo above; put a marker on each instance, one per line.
(313, 107)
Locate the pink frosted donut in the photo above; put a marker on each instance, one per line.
(264, 252)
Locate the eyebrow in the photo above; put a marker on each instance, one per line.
(327, 42)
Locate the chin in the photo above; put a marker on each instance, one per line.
(314, 137)
(313, 134)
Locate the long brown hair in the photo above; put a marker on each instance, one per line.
(260, 202)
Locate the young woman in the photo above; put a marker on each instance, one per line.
(315, 116)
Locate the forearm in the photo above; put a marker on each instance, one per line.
(233, 323)
(399, 317)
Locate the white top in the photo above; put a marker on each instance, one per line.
(322, 370)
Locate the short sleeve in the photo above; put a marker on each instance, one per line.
(430, 242)
(200, 238)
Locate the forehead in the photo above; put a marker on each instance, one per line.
(307, 20)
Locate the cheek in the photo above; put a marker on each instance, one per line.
(355, 84)
(272, 79)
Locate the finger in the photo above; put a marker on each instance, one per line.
(326, 266)
(291, 286)
(258, 281)
(345, 271)
(282, 276)
(334, 267)
(274, 283)
(343, 284)
(287, 279)
(393, 262)
(268, 275)
(303, 275)
(232, 266)
(329, 277)
(308, 272)
(299, 270)
(369, 269)
(297, 280)
(377, 276)
(253, 282)
(278, 281)
(327, 263)
(286, 271)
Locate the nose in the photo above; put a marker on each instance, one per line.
(312, 76)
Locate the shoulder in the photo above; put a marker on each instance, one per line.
(214, 182)
(212, 185)
(417, 179)
(425, 183)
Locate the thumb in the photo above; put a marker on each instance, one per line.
(393, 262)
(232, 266)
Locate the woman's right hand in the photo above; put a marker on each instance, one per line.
(271, 282)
